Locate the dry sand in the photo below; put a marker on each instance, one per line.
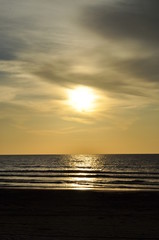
(46, 215)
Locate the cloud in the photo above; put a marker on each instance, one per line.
(125, 20)
(44, 51)
(143, 68)
(117, 23)
(13, 29)
(130, 32)
(117, 79)
(28, 28)
(9, 46)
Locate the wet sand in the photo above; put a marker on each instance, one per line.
(46, 215)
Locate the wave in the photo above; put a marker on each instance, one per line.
(98, 172)
(78, 171)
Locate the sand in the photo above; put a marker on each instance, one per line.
(46, 215)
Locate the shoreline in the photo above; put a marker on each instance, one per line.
(104, 190)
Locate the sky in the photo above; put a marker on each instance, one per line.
(49, 49)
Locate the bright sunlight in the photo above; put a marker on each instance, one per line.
(82, 99)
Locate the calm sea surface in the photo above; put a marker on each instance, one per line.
(100, 172)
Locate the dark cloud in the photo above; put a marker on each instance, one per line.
(13, 36)
(3, 76)
(145, 68)
(125, 20)
(134, 22)
(59, 73)
(54, 73)
(10, 47)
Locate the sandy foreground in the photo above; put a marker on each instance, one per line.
(46, 215)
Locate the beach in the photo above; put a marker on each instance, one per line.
(77, 214)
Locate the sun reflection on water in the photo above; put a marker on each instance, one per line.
(84, 161)
(85, 164)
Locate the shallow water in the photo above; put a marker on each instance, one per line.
(100, 172)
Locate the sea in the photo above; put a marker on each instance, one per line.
(137, 172)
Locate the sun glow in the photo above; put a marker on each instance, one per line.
(82, 99)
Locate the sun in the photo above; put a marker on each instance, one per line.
(82, 99)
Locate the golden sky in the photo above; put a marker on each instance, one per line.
(79, 76)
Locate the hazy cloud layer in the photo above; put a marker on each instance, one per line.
(47, 47)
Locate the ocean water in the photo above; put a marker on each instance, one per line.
(99, 172)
